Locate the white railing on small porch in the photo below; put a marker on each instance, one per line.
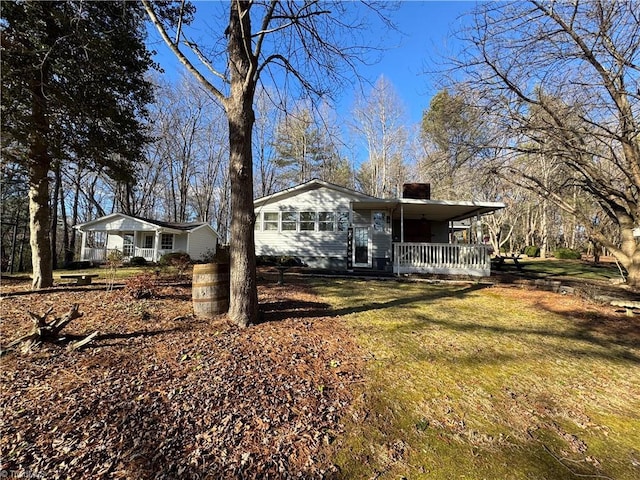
(99, 255)
(96, 255)
(441, 258)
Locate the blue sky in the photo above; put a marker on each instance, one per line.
(425, 28)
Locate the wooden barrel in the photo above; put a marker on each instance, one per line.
(210, 289)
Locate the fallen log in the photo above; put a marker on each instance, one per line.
(47, 331)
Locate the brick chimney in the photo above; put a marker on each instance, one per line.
(420, 191)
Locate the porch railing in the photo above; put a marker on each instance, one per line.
(94, 254)
(99, 255)
(146, 253)
(441, 258)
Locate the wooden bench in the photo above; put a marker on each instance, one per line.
(499, 261)
(81, 278)
(630, 306)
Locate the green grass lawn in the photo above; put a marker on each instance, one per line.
(472, 382)
(571, 268)
(120, 273)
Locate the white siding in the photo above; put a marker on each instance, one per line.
(114, 241)
(201, 241)
(180, 242)
(302, 244)
(380, 240)
(122, 224)
(381, 244)
(321, 199)
(305, 244)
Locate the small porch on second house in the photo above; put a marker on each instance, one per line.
(138, 237)
(422, 236)
(135, 243)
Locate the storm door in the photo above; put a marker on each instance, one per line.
(362, 246)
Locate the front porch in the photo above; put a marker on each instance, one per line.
(151, 245)
(420, 235)
(441, 258)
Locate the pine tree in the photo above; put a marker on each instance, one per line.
(73, 87)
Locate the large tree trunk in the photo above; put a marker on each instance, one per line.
(243, 308)
(629, 254)
(39, 165)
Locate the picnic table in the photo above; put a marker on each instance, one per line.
(499, 261)
(631, 307)
(81, 278)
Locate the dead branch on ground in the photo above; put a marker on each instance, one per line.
(47, 331)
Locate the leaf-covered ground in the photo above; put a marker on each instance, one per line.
(161, 394)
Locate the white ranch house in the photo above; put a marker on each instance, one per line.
(328, 226)
(142, 237)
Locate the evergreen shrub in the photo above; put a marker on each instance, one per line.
(532, 251)
(137, 261)
(567, 253)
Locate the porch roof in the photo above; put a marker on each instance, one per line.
(434, 210)
(168, 227)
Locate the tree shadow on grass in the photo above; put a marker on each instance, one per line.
(613, 349)
(282, 310)
(286, 309)
(599, 326)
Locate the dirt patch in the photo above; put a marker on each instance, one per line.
(161, 394)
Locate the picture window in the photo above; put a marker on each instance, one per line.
(307, 221)
(270, 221)
(326, 221)
(289, 221)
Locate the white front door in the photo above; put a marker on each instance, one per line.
(362, 246)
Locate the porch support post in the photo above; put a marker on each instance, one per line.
(83, 243)
(135, 243)
(156, 247)
(401, 223)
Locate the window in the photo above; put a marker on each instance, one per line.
(326, 221)
(343, 221)
(148, 241)
(307, 221)
(270, 221)
(166, 242)
(289, 221)
(378, 221)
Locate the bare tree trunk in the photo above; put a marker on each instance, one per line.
(40, 163)
(243, 308)
(544, 230)
(39, 227)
